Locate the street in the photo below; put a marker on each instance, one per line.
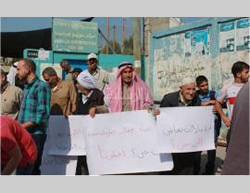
(220, 156)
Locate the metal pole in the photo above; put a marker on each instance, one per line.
(137, 45)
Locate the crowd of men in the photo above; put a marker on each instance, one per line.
(27, 106)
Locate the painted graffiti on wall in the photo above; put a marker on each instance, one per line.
(168, 74)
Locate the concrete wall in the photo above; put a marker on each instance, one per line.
(170, 60)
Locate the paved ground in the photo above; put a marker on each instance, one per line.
(220, 156)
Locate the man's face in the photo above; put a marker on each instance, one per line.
(75, 75)
(127, 75)
(65, 67)
(2, 80)
(244, 75)
(203, 87)
(51, 80)
(92, 62)
(22, 70)
(188, 91)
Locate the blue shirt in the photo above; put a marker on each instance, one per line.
(206, 98)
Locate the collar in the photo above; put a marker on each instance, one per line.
(27, 85)
(86, 98)
(96, 71)
(58, 86)
(5, 87)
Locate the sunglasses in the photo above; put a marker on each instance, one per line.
(92, 60)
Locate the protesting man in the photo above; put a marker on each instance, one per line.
(184, 163)
(127, 93)
(101, 76)
(240, 71)
(63, 94)
(35, 108)
(88, 96)
(208, 97)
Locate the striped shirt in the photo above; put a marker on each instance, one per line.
(35, 106)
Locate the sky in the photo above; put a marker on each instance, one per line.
(18, 24)
(14, 24)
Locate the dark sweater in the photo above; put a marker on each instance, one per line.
(172, 100)
(95, 99)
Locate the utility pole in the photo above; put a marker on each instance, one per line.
(123, 33)
(137, 45)
(114, 38)
(107, 35)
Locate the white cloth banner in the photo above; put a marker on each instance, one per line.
(67, 135)
(185, 129)
(57, 165)
(124, 143)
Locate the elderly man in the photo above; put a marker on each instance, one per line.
(101, 76)
(35, 108)
(11, 97)
(63, 94)
(184, 163)
(88, 96)
(127, 93)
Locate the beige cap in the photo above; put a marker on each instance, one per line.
(92, 55)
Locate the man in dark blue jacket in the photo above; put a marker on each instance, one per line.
(184, 163)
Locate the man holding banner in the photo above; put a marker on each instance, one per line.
(184, 163)
(127, 93)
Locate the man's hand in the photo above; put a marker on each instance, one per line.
(156, 112)
(92, 112)
(211, 102)
(226, 121)
(28, 125)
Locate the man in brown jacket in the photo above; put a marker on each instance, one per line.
(63, 94)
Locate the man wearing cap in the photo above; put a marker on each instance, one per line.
(63, 94)
(184, 163)
(101, 76)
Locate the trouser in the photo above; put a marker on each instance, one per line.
(211, 158)
(24, 170)
(39, 139)
(185, 163)
(82, 167)
(211, 154)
